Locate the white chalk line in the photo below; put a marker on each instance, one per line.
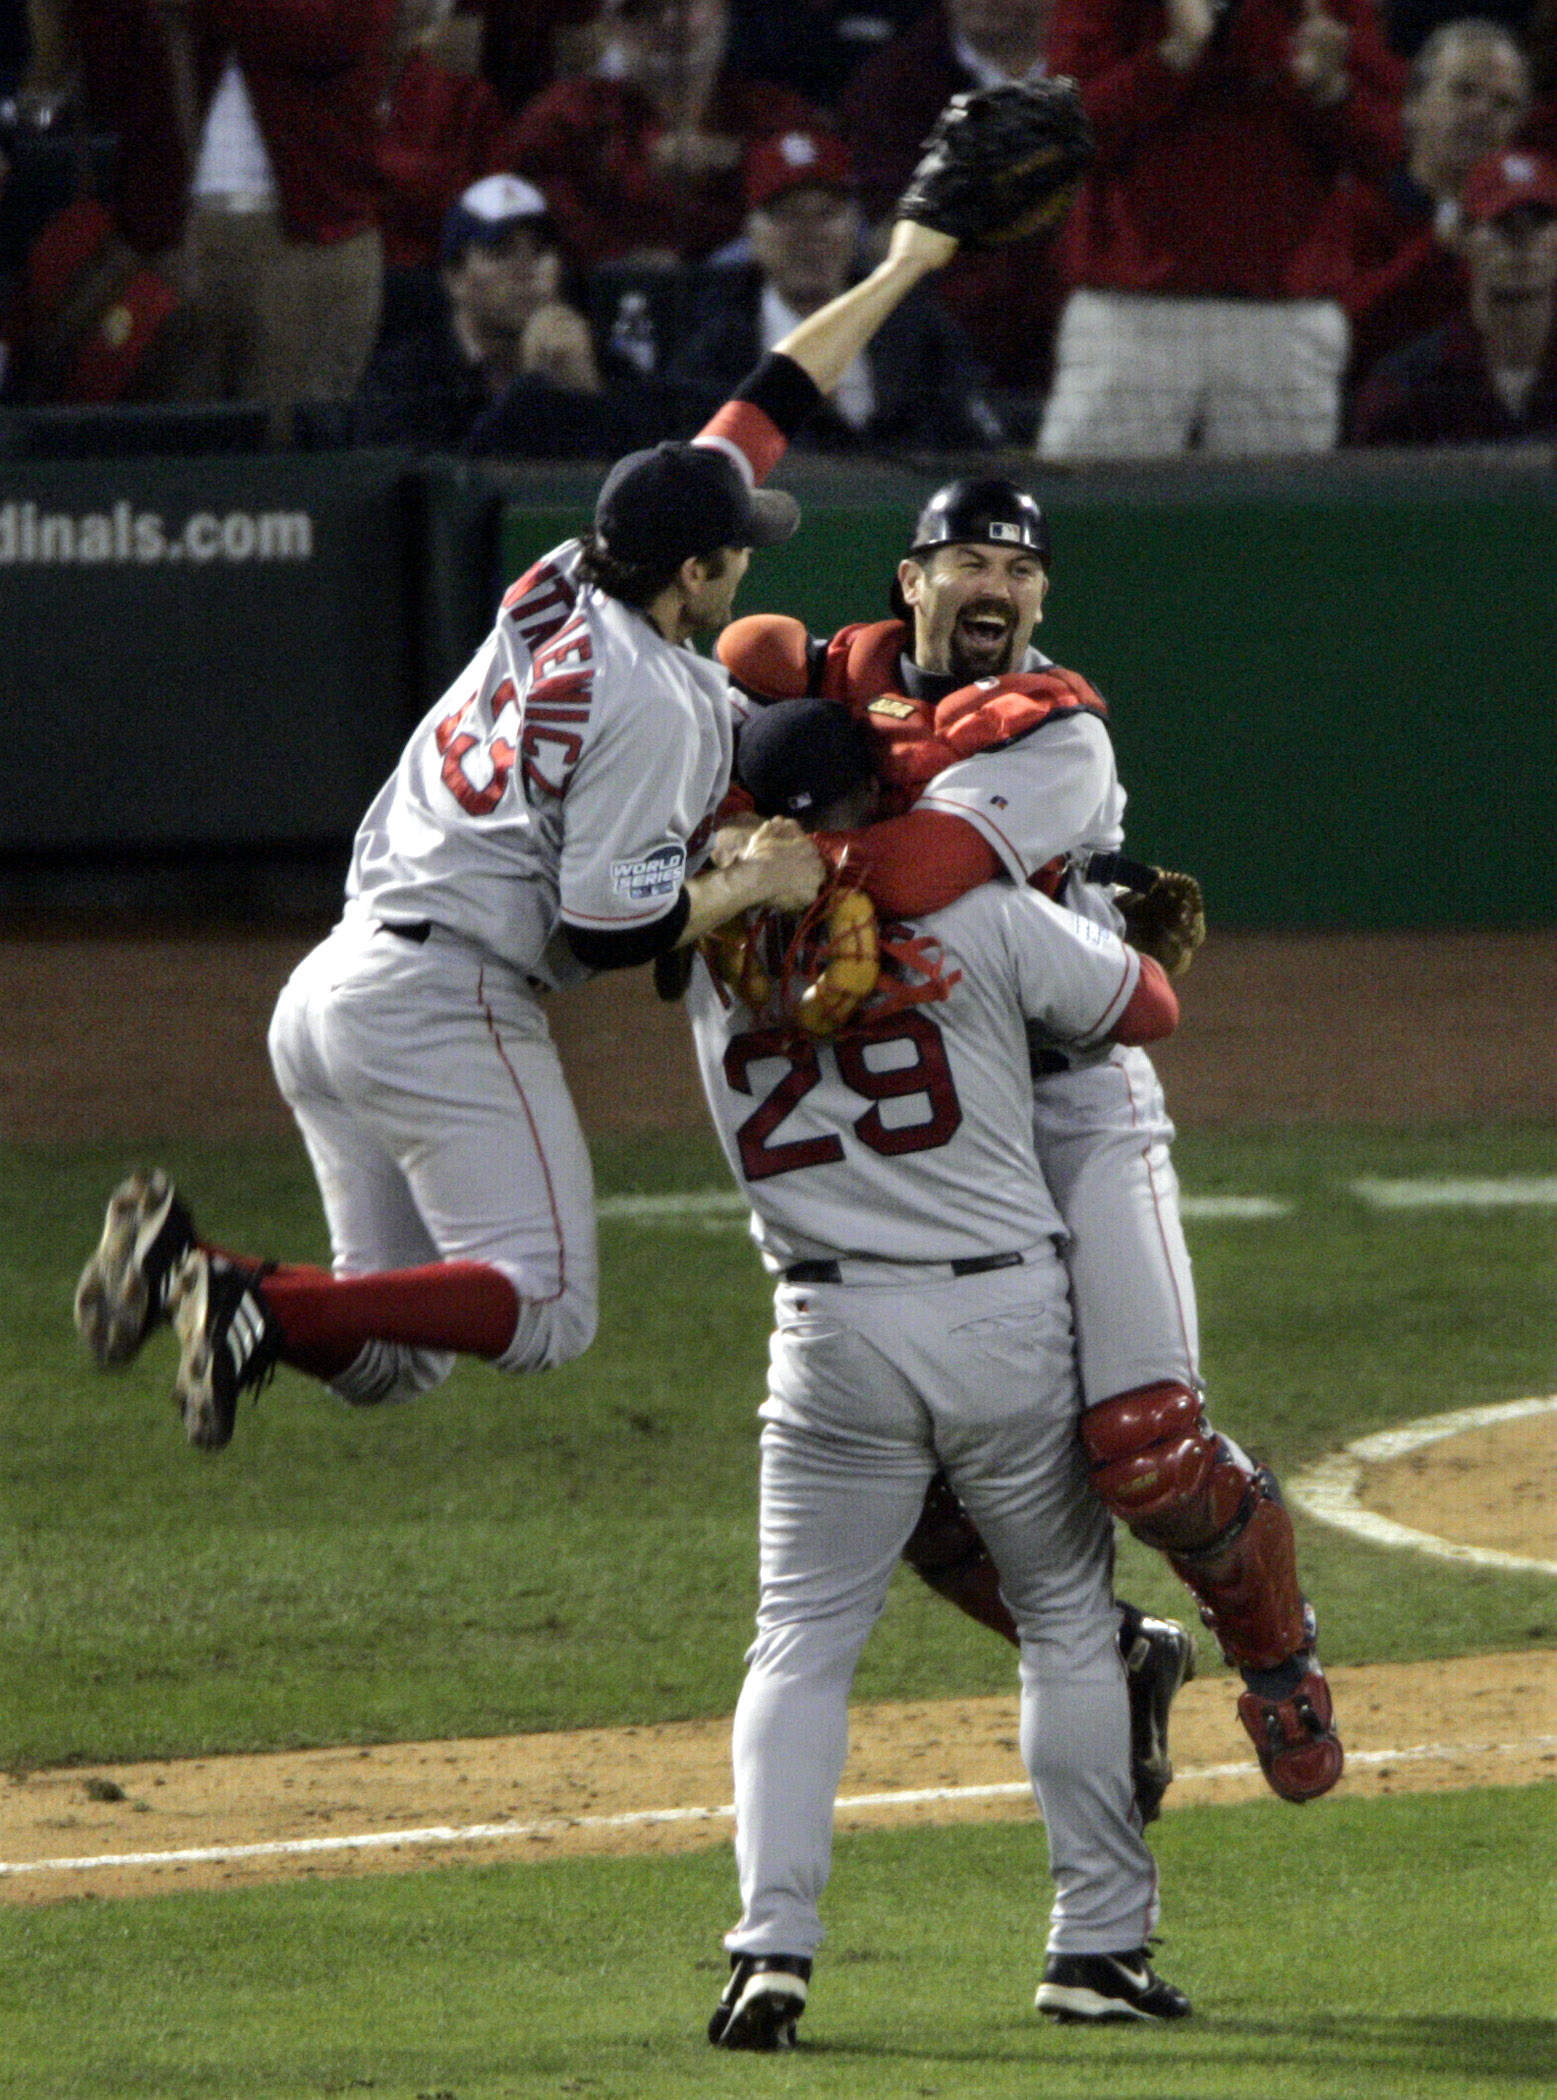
(1331, 1490)
(717, 1209)
(1488, 1193)
(448, 1834)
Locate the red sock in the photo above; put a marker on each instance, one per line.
(327, 1320)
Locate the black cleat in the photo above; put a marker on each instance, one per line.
(230, 1341)
(124, 1289)
(1159, 1657)
(762, 2001)
(1107, 1987)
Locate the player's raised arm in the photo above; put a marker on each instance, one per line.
(772, 402)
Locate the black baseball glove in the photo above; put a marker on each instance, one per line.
(1001, 163)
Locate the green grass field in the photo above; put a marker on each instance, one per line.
(579, 1549)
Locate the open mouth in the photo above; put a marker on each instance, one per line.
(984, 631)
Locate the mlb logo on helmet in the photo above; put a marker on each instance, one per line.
(1003, 529)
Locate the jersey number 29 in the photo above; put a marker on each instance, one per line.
(928, 1074)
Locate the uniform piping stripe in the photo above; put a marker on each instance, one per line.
(1111, 1011)
(647, 1818)
(535, 1139)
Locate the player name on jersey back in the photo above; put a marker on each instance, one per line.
(571, 770)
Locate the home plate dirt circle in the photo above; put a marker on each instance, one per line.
(1477, 1484)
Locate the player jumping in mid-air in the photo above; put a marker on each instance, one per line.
(1012, 767)
(548, 819)
(922, 1322)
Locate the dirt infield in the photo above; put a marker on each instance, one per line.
(1486, 1720)
(157, 1035)
(1482, 1720)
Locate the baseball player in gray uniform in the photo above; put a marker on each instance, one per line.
(549, 818)
(922, 1322)
(1027, 791)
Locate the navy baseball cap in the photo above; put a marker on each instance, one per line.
(796, 756)
(489, 211)
(675, 500)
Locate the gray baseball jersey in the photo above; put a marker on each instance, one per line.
(1050, 794)
(1101, 1126)
(912, 1140)
(572, 770)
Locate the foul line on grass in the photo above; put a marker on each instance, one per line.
(1330, 1490)
(645, 1818)
(714, 1208)
(1503, 1192)
(721, 1207)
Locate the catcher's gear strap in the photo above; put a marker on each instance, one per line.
(1247, 1585)
(763, 414)
(912, 864)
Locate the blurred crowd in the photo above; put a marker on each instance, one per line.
(552, 229)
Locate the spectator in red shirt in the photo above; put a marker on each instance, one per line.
(1490, 376)
(1222, 132)
(249, 131)
(1398, 245)
(1007, 299)
(444, 128)
(641, 161)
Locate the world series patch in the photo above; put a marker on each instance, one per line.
(657, 875)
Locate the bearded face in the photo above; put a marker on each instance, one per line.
(974, 608)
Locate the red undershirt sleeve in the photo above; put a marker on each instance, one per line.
(767, 408)
(1153, 1011)
(913, 864)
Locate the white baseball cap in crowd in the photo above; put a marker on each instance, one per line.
(489, 210)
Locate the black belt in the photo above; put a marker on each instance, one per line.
(406, 929)
(832, 1272)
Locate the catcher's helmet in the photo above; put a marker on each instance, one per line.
(985, 509)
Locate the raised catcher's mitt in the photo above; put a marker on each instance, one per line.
(1001, 163)
(1167, 920)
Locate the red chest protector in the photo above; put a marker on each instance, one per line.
(917, 741)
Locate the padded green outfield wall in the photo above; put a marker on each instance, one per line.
(1333, 692)
(1334, 695)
